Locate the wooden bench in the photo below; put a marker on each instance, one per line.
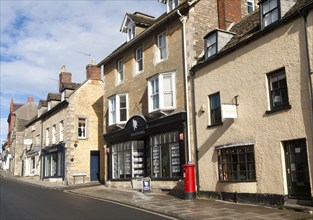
(79, 175)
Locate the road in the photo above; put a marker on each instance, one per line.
(21, 201)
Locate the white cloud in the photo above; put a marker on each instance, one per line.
(38, 37)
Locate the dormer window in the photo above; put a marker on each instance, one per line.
(215, 41)
(269, 12)
(172, 4)
(250, 4)
(211, 45)
(63, 96)
(131, 31)
(49, 105)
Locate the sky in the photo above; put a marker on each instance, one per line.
(38, 37)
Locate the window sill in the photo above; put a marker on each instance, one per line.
(237, 181)
(215, 125)
(286, 107)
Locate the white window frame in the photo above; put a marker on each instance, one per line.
(161, 93)
(49, 105)
(120, 71)
(83, 128)
(139, 60)
(115, 108)
(172, 4)
(37, 139)
(250, 5)
(47, 137)
(63, 96)
(131, 31)
(161, 47)
(61, 135)
(54, 139)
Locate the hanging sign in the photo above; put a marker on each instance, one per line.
(229, 111)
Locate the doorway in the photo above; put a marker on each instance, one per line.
(297, 170)
(94, 165)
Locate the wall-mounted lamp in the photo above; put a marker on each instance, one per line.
(202, 108)
(75, 143)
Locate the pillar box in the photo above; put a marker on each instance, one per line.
(189, 181)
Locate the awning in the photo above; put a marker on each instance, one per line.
(235, 144)
(33, 152)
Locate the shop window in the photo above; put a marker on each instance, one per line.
(215, 116)
(82, 128)
(118, 109)
(278, 90)
(121, 161)
(237, 164)
(165, 156)
(161, 92)
(53, 165)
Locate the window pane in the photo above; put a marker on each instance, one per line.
(273, 4)
(274, 15)
(123, 115)
(237, 164)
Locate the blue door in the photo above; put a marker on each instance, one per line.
(94, 165)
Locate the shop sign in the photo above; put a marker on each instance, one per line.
(229, 111)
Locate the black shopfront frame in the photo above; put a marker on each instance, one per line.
(138, 128)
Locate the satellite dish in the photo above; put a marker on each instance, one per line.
(28, 141)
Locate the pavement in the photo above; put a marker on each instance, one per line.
(177, 208)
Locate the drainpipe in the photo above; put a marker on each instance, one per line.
(194, 127)
(41, 157)
(305, 24)
(183, 20)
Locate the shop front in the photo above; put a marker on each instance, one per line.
(53, 162)
(154, 149)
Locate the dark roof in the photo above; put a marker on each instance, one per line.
(71, 86)
(42, 103)
(249, 27)
(54, 97)
(141, 19)
(16, 106)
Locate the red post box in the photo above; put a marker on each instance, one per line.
(189, 181)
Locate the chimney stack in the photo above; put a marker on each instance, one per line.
(93, 71)
(229, 11)
(30, 99)
(64, 77)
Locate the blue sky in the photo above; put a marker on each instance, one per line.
(39, 37)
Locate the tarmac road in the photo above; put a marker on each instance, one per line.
(23, 201)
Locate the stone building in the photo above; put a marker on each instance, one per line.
(18, 117)
(146, 87)
(253, 107)
(69, 124)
